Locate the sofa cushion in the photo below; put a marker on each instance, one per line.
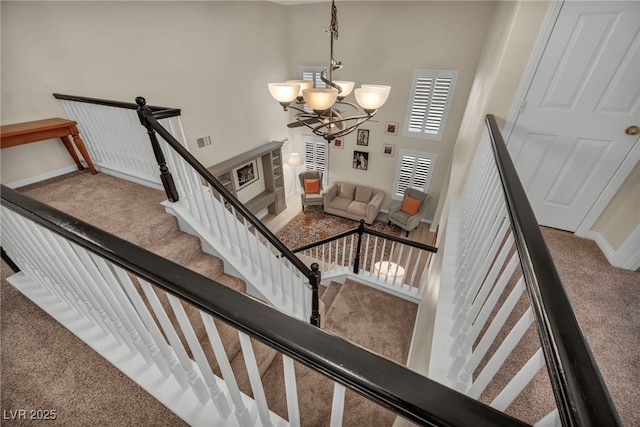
(346, 190)
(363, 194)
(312, 185)
(410, 205)
(340, 203)
(357, 208)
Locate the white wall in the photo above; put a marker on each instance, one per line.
(211, 59)
(382, 43)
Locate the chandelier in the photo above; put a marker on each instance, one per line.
(326, 117)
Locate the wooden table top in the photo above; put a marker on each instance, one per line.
(36, 125)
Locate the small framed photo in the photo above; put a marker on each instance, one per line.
(391, 128)
(338, 143)
(388, 150)
(361, 160)
(363, 137)
(245, 174)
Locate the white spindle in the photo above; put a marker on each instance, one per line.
(240, 410)
(254, 379)
(219, 399)
(501, 354)
(337, 406)
(291, 390)
(519, 381)
(195, 380)
(552, 419)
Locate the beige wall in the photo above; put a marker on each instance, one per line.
(382, 43)
(622, 215)
(211, 59)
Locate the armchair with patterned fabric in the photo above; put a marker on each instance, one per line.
(408, 213)
(311, 184)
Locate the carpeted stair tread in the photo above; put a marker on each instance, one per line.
(368, 317)
(135, 215)
(207, 265)
(314, 391)
(330, 294)
(264, 355)
(180, 248)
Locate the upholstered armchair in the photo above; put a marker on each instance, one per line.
(311, 184)
(408, 213)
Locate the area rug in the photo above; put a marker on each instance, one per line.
(313, 225)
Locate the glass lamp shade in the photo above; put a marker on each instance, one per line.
(304, 84)
(284, 92)
(295, 160)
(371, 97)
(320, 99)
(345, 87)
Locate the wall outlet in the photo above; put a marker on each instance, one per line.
(203, 142)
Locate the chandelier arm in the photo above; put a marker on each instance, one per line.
(332, 135)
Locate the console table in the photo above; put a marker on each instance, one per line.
(38, 130)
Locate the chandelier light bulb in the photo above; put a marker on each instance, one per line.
(345, 87)
(371, 98)
(304, 84)
(320, 99)
(284, 93)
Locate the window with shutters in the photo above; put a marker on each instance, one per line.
(316, 156)
(431, 93)
(312, 73)
(414, 170)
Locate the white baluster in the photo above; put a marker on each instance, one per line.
(337, 406)
(291, 389)
(254, 379)
(195, 380)
(240, 410)
(519, 381)
(218, 398)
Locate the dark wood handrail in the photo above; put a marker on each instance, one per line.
(162, 112)
(581, 394)
(371, 231)
(383, 381)
(226, 194)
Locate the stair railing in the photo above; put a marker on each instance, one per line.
(199, 200)
(391, 262)
(499, 281)
(119, 298)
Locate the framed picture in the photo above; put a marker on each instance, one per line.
(361, 160)
(391, 128)
(388, 150)
(363, 137)
(245, 174)
(338, 143)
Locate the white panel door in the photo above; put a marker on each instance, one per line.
(570, 137)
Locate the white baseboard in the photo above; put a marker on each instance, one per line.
(38, 178)
(628, 254)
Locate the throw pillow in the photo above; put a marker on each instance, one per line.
(312, 185)
(346, 190)
(410, 205)
(363, 194)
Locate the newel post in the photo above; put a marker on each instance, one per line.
(165, 176)
(356, 261)
(314, 281)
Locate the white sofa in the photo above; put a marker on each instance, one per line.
(353, 201)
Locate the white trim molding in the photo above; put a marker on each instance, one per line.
(628, 254)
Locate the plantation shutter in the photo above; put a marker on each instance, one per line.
(414, 170)
(312, 73)
(429, 103)
(316, 156)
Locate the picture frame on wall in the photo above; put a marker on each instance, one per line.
(338, 143)
(245, 174)
(391, 128)
(361, 160)
(363, 137)
(388, 150)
